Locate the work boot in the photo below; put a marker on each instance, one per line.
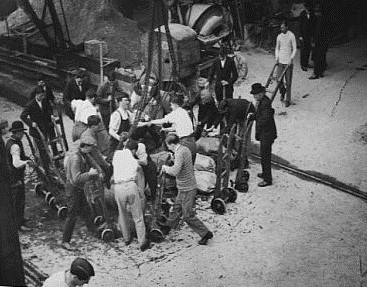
(205, 238)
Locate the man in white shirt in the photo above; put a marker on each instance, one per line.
(120, 122)
(79, 274)
(181, 124)
(127, 194)
(285, 51)
(82, 110)
(17, 161)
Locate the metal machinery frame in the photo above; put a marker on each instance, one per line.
(59, 43)
(233, 147)
(222, 192)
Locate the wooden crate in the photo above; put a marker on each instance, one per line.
(92, 48)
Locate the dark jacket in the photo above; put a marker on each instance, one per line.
(72, 91)
(227, 73)
(49, 94)
(320, 34)
(16, 174)
(306, 26)
(42, 117)
(11, 266)
(265, 124)
(234, 111)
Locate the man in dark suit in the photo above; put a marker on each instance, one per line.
(225, 71)
(41, 82)
(75, 90)
(305, 29)
(11, 267)
(265, 131)
(320, 42)
(38, 113)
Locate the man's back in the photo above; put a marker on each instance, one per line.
(56, 280)
(185, 177)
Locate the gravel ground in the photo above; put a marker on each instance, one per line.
(294, 233)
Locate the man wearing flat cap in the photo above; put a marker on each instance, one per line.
(79, 170)
(80, 272)
(265, 131)
(17, 161)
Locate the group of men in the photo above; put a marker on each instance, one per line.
(105, 116)
(313, 37)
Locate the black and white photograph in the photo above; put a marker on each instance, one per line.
(217, 143)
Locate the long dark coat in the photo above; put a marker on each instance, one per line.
(265, 129)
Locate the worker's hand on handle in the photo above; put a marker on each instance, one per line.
(143, 124)
(34, 124)
(163, 169)
(250, 116)
(93, 172)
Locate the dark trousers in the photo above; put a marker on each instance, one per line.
(305, 52)
(43, 150)
(18, 190)
(150, 173)
(77, 205)
(265, 153)
(219, 91)
(287, 88)
(185, 206)
(319, 60)
(106, 119)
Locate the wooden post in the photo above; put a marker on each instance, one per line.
(7, 26)
(101, 60)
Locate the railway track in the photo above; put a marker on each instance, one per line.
(313, 176)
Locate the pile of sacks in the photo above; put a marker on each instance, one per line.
(205, 165)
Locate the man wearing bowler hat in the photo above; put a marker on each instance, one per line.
(80, 272)
(17, 161)
(265, 131)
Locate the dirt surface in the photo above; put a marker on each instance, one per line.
(294, 233)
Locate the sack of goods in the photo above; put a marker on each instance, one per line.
(161, 158)
(204, 163)
(205, 181)
(208, 145)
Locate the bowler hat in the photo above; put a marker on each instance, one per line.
(17, 126)
(257, 88)
(82, 268)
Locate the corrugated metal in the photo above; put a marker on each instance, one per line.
(7, 7)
